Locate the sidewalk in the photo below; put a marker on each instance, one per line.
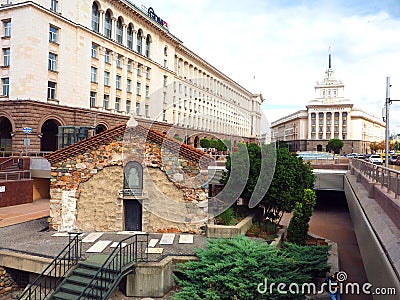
(16, 214)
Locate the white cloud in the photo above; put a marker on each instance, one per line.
(285, 46)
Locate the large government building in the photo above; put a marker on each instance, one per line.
(71, 66)
(329, 115)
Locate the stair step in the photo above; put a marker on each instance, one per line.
(76, 290)
(84, 272)
(62, 296)
(84, 281)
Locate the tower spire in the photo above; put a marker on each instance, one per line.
(330, 64)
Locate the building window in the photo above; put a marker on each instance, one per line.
(53, 31)
(165, 51)
(128, 85)
(117, 104)
(54, 5)
(118, 82)
(128, 106)
(313, 115)
(107, 24)
(95, 17)
(320, 136)
(106, 78)
(148, 42)
(107, 56)
(52, 62)
(7, 28)
(6, 56)
(118, 61)
(129, 34)
(148, 73)
(92, 99)
(119, 33)
(146, 110)
(139, 70)
(137, 108)
(51, 90)
(165, 81)
(129, 66)
(6, 86)
(105, 101)
(147, 91)
(139, 42)
(138, 86)
(165, 63)
(164, 112)
(164, 97)
(93, 74)
(94, 50)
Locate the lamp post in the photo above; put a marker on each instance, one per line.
(387, 105)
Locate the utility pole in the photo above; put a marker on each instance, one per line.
(387, 105)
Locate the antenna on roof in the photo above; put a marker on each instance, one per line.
(329, 51)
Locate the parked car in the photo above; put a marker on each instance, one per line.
(375, 159)
(393, 159)
(352, 155)
(367, 156)
(360, 156)
(398, 160)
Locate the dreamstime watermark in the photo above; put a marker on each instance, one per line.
(309, 288)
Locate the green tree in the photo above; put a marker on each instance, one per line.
(374, 147)
(221, 146)
(205, 143)
(177, 137)
(298, 226)
(228, 144)
(234, 268)
(291, 176)
(335, 145)
(213, 143)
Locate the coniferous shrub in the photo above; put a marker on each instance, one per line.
(298, 227)
(234, 268)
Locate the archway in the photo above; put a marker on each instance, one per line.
(5, 134)
(100, 128)
(196, 142)
(49, 133)
(319, 148)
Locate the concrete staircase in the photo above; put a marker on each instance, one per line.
(79, 282)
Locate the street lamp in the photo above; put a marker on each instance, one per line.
(386, 119)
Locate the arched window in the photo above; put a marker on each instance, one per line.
(95, 17)
(165, 51)
(107, 24)
(119, 34)
(129, 33)
(148, 42)
(139, 41)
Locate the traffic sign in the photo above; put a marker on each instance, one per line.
(27, 130)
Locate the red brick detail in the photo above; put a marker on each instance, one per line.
(17, 192)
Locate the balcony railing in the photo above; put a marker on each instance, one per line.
(387, 177)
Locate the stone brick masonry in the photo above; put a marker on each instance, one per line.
(86, 191)
(7, 284)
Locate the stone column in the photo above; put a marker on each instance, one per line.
(101, 21)
(114, 28)
(340, 125)
(324, 127)
(309, 126)
(349, 135)
(316, 125)
(125, 35)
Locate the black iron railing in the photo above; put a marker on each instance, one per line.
(119, 263)
(51, 277)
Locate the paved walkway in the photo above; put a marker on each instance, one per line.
(24, 212)
(331, 219)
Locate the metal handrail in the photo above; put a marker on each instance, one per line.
(45, 284)
(128, 251)
(15, 175)
(7, 162)
(387, 177)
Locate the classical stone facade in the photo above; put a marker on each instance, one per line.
(87, 191)
(93, 63)
(329, 115)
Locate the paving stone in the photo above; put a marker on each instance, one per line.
(154, 250)
(167, 239)
(186, 239)
(99, 246)
(92, 237)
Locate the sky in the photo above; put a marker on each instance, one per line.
(279, 48)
